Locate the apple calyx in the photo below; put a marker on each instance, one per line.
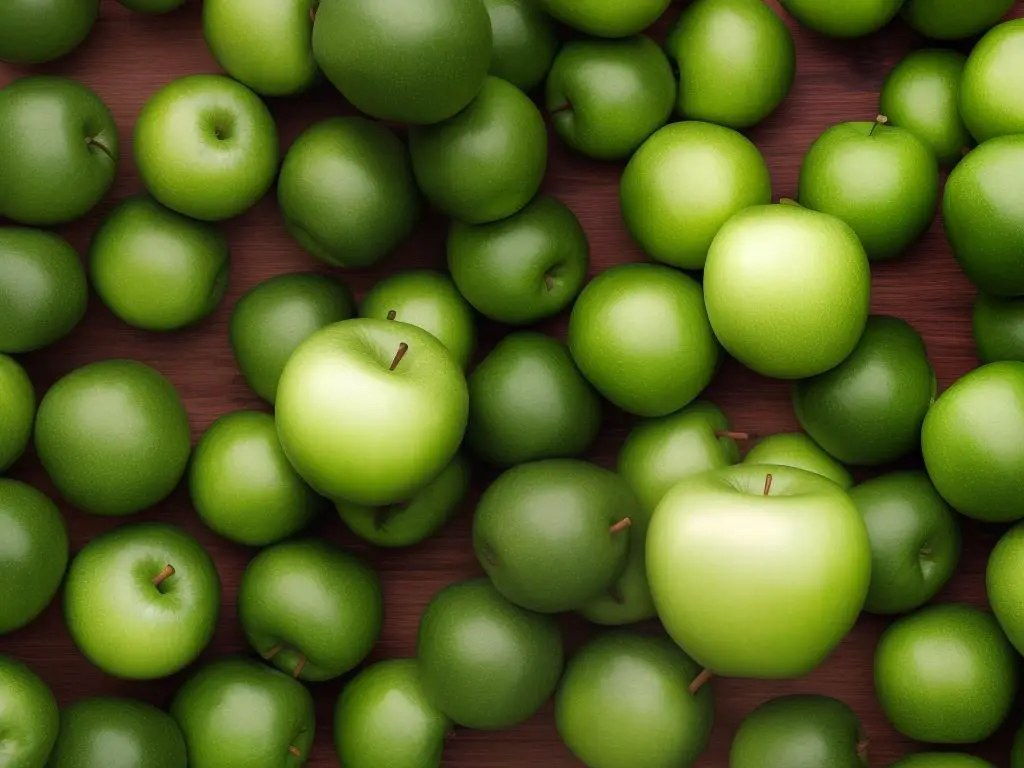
(622, 525)
(392, 314)
(402, 349)
(299, 666)
(701, 680)
(164, 575)
(879, 120)
(294, 751)
(767, 484)
(94, 142)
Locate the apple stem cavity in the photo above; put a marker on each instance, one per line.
(402, 349)
(392, 314)
(299, 666)
(93, 142)
(163, 576)
(701, 680)
(294, 751)
(767, 484)
(622, 525)
(733, 435)
(268, 655)
(879, 120)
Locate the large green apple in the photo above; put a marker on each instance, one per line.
(607, 18)
(34, 32)
(141, 601)
(795, 449)
(853, 18)
(771, 552)
(369, 411)
(998, 328)
(410, 61)
(736, 61)
(942, 760)
(17, 411)
(29, 717)
(524, 42)
(954, 19)
(787, 290)
(992, 89)
(58, 149)
(673, 206)
(640, 334)
(1004, 584)
(628, 700)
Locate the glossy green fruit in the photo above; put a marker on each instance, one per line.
(942, 760)
(29, 717)
(992, 89)
(487, 162)
(998, 326)
(855, 18)
(1004, 584)
(524, 40)
(34, 32)
(17, 411)
(409, 61)
(795, 449)
(952, 19)
(625, 701)
(736, 61)
(607, 18)
(347, 191)
(486, 663)
(152, 6)
(868, 410)
(946, 675)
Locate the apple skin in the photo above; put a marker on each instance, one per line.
(267, 46)
(856, 18)
(946, 675)
(992, 88)
(33, 569)
(273, 317)
(524, 42)
(487, 162)
(383, 717)
(52, 176)
(795, 449)
(787, 290)
(953, 20)
(601, 18)
(800, 595)
(522, 269)
(236, 713)
(970, 443)
(29, 717)
(484, 662)
(242, 486)
(605, 97)
(882, 181)
(998, 327)
(34, 33)
(1004, 585)
(625, 701)
(942, 760)
(675, 219)
(156, 269)
(868, 410)
(17, 411)
(347, 191)
(337, 388)
(915, 540)
(736, 61)
(188, 123)
(640, 334)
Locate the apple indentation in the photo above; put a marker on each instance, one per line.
(622, 525)
(700, 680)
(402, 349)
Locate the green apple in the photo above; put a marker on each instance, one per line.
(113, 436)
(776, 553)
(273, 317)
(970, 443)
(942, 760)
(141, 601)
(953, 19)
(998, 327)
(915, 540)
(607, 18)
(946, 675)
(383, 718)
(787, 290)
(17, 411)
(640, 334)
(484, 662)
(528, 401)
(236, 713)
(33, 32)
(552, 534)
(267, 46)
(795, 449)
(488, 161)
(992, 88)
(868, 410)
(984, 222)
(1005, 586)
(370, 411)
(242, 486)
(882, 181)
(311, 609)
(32, 565)
(156, 269)
(524, 42)
(29, 717)
(854, 18)
(409, 61)
(347, 191)
(921, 94)
(628, 700)
(206, 147)
(430, 300)
(605, 97)
(522, 269)
(410, 522)
(105, 732)
(673, 216)
(58, 148)
(736, 61)
(800, 731)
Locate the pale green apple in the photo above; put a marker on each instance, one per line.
(852, 18)
(607, 18)
(29, 718)
(992, 88)
(796, 449)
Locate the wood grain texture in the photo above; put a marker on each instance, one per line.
(130, 56)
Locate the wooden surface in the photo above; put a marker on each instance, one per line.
(130, 56)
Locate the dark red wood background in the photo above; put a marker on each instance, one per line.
(130, 56)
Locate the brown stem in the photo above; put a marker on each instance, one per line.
(299, 666)
(163, 576)
(879, 120)
(392, 315)
(91, 142)
(564, 107)
(734, 435)
(700, 680)
(622, 525)
(767, 484)
(294, 752)
(268, 655)
(402, 349)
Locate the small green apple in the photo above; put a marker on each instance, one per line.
(795, 449)
(607, 18)
(17, 411)
(942, 760)
(1004, 585)
(992, 88)
(29, 717)
(998, 327)
(953, 19)
(34, 33)
(854, 18)
(525, 42)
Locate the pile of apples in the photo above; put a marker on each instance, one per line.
(756, 568)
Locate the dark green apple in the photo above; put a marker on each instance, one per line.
(1005, 586)
(868, 410)
(992, 88)
(998, 327)
(605, 97)
(953, 19)
(34, 32)
(795, 449)
(607, 18)
(854, 18)
(736, 61)
(528, 401)
(946, 675)
(522, 269)
(942, 760)
(484, 662)
(628, 700)
(58, 148)
(17, 411)
(347, 191)
(524, 41)
(488, 161)
(29, 718)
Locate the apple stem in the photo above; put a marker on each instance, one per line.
(163, 576)
(734, 435)
(294, 751)
(700, 680)
(767, 484)
(402, 349)
(392, 314)
(622, 525)
(549, 282)
(91, 142)
(862, 750)
(299, 666)
(312, 14)
(879, 120)
(564, 107)
(272, 652)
